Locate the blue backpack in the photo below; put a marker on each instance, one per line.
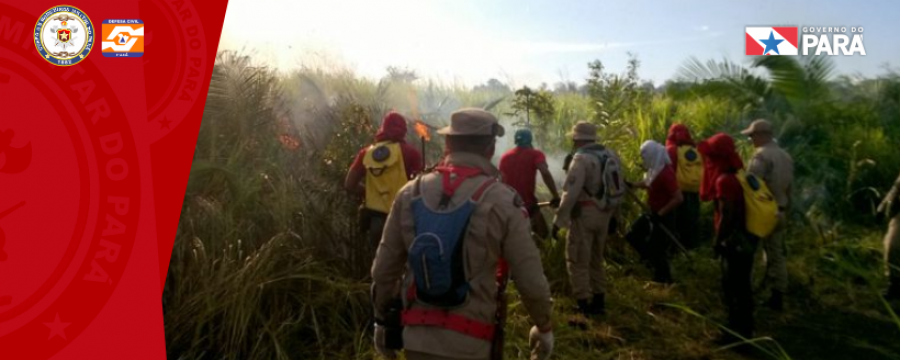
(435, 256)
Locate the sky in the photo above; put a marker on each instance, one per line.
(529, 42)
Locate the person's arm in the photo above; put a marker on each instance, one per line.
(353, 183)
(414, 162)
(548, 179)
(571, 192)
(676, 200)
(671, 187)
(390, 259)
(524, 259)
(759, 167)
(728, 191)
(890, 197)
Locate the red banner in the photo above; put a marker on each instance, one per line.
(102, 104)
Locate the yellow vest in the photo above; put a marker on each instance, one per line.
(761, 208)
(385, 175)
(689, 172)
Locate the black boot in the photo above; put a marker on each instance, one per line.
(598, 305)
(776, 302)
(580, 319)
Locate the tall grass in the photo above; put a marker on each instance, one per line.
(269, 262)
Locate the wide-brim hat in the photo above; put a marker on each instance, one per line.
(583, 131)
(473, 122)
(758, 126)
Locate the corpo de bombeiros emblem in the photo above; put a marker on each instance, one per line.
(64, 35)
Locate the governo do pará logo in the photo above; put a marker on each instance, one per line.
(64, 35)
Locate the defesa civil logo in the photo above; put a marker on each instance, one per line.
(123, 38)
(64, 35)
(816, 40)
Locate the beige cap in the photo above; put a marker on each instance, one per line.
(758, 126)
(583, 130)
(473, 121)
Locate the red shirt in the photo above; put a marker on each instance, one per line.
(519, 167)
(662, 190)
(412, 160)
(728, 188)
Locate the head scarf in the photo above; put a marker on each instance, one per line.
(719, 157)
(393, 128)
(679, 135)
(523, 138)
(655, 159)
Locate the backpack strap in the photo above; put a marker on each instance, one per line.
(449, 184)
(417, 187)
(483, 188)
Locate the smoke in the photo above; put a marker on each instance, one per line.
(555, 158)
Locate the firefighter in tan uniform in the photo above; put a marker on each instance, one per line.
(891, 207)
(776, 168)
(587, 221)
(449, 237)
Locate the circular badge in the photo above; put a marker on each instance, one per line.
(64, 35)
(691, 155)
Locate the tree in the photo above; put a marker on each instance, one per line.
(403, 75)
(613, 95)
(493, 85)
(540, 103)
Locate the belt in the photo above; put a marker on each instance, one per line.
(589, 203)
(449, 321)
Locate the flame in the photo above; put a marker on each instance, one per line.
(289, 142)
(422, 130)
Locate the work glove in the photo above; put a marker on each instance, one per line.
(380, 344)
(541, 344)
(554, 203)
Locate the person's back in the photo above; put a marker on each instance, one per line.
(776, 167)
(733, 244)
(583, 212)
(496, 232)
(379, 171)
(518, 168)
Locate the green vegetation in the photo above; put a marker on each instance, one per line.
(269, 263)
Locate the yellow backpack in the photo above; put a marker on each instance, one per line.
(690, 169)
(385, 175)
(762, 210)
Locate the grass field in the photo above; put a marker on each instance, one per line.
(269, 263)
